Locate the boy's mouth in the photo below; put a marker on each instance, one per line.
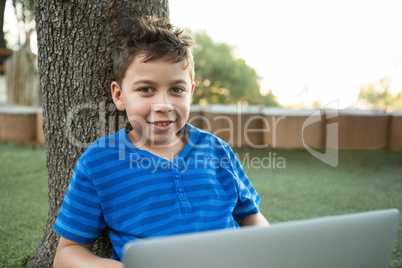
(162, 125)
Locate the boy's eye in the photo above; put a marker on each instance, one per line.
(146, 90)
(177, 90)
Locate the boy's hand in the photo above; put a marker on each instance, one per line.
(254, 219)
(72, 254)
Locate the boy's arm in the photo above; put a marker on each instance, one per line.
(254, 219)
(72, 254)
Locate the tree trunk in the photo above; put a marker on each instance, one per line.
(75, 44)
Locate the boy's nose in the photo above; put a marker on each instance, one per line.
(162, 107)
(162, 104)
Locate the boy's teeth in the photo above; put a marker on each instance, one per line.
(161, 124)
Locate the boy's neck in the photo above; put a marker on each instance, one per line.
(168, 152)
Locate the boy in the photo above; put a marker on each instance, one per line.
(165, 176)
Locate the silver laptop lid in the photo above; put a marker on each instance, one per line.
(353, 240)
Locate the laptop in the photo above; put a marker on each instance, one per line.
(353, 240)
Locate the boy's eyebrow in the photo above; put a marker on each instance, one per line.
(150, 82)
(179, 81)
(143, 81)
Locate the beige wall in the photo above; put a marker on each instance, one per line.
(18, 124)
(253, 126)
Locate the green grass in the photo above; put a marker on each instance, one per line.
(306, 188)
(23, 202)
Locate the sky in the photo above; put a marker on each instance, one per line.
(304, 50)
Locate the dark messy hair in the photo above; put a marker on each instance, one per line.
(155, 39)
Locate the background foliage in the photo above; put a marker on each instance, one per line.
(377, 95)
(222, 78)
(25, 14)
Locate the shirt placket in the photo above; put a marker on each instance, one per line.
(178, 182)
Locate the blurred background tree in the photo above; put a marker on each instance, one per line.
(21, 72)
(222, 78)
(25, 14)
(377, 95)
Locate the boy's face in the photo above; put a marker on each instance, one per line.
(156, 96)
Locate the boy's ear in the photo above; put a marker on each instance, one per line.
(117, 95)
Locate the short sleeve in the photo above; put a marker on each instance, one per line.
(248, 199)
(80, 218)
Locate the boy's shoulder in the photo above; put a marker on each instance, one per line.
(107, 143)
(203, 137)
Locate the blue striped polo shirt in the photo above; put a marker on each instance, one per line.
(136, 194)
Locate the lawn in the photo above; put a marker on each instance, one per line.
(292, 184)
(23, 202)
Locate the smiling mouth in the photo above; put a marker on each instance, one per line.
(161, 126)
(161, 123)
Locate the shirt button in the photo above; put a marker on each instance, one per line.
(177, 176)
(180, 189)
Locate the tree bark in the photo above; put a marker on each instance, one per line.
(75, 44)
